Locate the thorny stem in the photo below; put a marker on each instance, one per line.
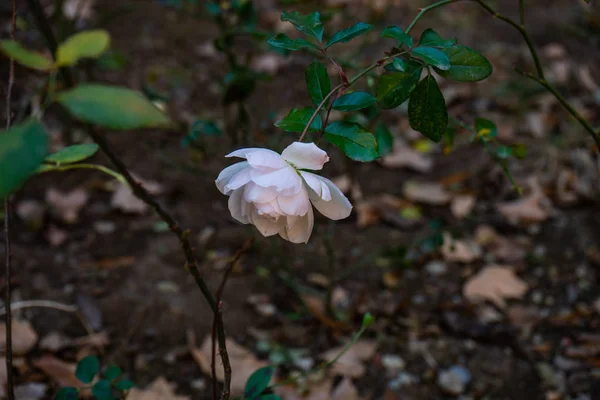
(8, 319)
(191, 264)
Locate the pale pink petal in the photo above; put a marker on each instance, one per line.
(270, 209)
(281, 179)
(260, 157)
(226, 175)
(305, 156)
(266, 226)
(338, 207)
(297, 204)
(317, 185)
(258, 194)
(238, 207)
(239, 179)
(298, 229)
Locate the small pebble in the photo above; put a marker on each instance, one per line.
(436, 267)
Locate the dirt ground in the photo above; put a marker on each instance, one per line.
(125, 272)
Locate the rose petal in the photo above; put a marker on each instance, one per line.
(297, 204)
(270, 209)
(266, 226)
(260, 157)
(226, 175)
(258, 194)
(317, 185)
(238, 180)
(305, 155)
(282, 179)
(238, 207)
(298, 229)
(339, 207)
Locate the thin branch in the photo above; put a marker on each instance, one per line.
(10, 393)
(426, 10)
(319, 107)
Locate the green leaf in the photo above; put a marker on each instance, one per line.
(112, 372)
(433, 57)
(466, 65)
(297, 119)
(124, 384)
(22, 149)
(427, 111)
(87, 369)
(282, 41)
(485, 129)
(431, 38)
(504, 152)
(346, 35)
(86, 44)
(395, 32)
(385, 140)
(112, 107)
(368, 320)
(73, 154)
(258, 382)
(353, 139)
(395, 88)
(308, 24)
(353, 101)
(317, 81)
(27, 58)
(519, 150)
(102, 391)
(67, 393)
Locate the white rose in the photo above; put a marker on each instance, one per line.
(274, 193)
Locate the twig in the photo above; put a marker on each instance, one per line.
(312, 118)
(10, 393)
(218, 324)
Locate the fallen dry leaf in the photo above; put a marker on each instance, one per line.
(426, 192)
(243, 362)
(462, 251)
(56, 236)
(67, 205)
(527, 209)
(350, 363)
(24, 337)
(61, 372)
(125, 200)
(268, 63)
(502, 248)
(79, 9)
(388, 208)
(160, 389)
(495, 283)
(462, 205)
(404, 156)
(316, 391)
(565, 187)
(586, 79)
(343, 182)
(345, 390)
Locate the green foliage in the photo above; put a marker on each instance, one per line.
(485, 129)
(346, 35)
(27, 58)
(317, 81)
(124, 384)
(112, 372)
(102, 390)
(112, 107)
(353, 139)
(87, 369)
(395, 88)
(282, 41)
(298, 118)
(87, 44)
(395, 32)
(427, 111)
(504, 152)
(385, 140)
(466, 65)
(431, 38)
(368, 320)
(310, 24)
(22, 149)
(433, 57)
(353, 101)
(67, 393)
(258, 382)
(73, 154)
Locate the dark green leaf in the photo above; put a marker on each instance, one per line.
(67, 393)
(112, 372)
(432, 57)
(354, 101)
(112, 107)
(258, 382)
(86, 44)
(466, 65)
(25, 57)
(368, 320)
(317, 81)
(504, 152)
(112, 60)
(485, 129)
(309, 24)
(297, 119)
(124, 384)
(427, 111)
(102, 391)
(431, 38)
(402, 65)
(346, 35)
(73, 154)
(281, 41)
(353, 139)
(385, 140)
(395, 32)
(519, 150)
(395, 88)
(87, 369)
(22, 149)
